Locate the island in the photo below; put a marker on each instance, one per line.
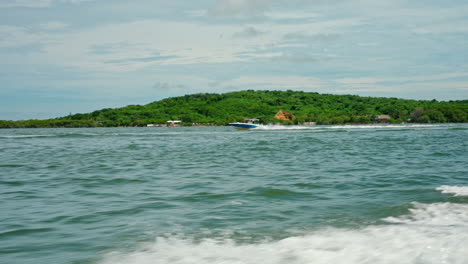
(282, 107)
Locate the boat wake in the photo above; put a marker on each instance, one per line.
(430, 233)
(281, 127)
(455, 190)
(354, 127)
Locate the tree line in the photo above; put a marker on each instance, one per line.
(221, 109)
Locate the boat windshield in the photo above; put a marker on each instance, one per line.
(251, 120)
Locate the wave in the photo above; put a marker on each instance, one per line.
(431, 233)
(24, 232)
(103, 134)
(387, 126)
(455, 190)
(26, 136)
(74, 135)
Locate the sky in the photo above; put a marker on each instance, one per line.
(76, 56)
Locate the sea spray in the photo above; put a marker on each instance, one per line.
(455, 190)
(431, 233)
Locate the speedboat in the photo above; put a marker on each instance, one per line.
(249, 123)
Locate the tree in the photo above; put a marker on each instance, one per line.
(417, 113)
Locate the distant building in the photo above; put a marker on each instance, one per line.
(283, 115)
(173, 123)
(308, 124)
(382, 118)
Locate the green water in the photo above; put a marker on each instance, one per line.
(322, 194)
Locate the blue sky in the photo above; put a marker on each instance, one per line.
(62, 56)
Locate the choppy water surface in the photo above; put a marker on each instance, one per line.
(322, 194)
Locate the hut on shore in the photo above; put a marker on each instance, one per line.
(382, 118)
(173, 123)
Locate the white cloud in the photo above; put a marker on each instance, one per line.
(27, 3)
(133, 44)
(460, 28)
(276, 82)
(292, 15)
(422, 78)
(196, 13)
(240, 8)
(298, 36)
(37, 3)
(53, 25)
(421, 90)
(248, 32)
(298, 58)
(19, 36)
(417, 87)
(373, 89)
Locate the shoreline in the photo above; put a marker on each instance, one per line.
(269, 125)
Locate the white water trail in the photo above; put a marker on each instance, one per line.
(352, 127)
(455, 190)
(281, 127)
(431, 233)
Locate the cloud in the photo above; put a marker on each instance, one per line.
(11, 36)
(248, 32)
(23, 49)
(53, 25)
(299, 58)
(406, 79)
(133, 44)
(417, 87)
(276, 82)
(297, 36)
(196, 13)
(239, 8)
(443, 90)
(166, 86)
(457, 28)
(38, 3)
(101, 49)
(143, 59)
(27, 3)
(297, 15)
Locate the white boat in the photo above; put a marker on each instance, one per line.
(249, 123)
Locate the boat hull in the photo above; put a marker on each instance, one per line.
(243, 126)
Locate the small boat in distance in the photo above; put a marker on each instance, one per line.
(249, 123)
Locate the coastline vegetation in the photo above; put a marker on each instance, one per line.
(221, 109)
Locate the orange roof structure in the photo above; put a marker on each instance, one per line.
(283, 115)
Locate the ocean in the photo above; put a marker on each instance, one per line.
(319, 194)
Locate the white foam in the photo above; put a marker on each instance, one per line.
(281, 127)
(456, 190)
(437, 214)
(374, 126)
(434, 233)
(352, 127)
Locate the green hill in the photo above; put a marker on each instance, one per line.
(220, 109)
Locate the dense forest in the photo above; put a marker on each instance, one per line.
(221, 109)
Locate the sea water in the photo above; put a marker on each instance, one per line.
(319, 194)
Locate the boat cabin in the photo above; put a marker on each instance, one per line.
(251, 121)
